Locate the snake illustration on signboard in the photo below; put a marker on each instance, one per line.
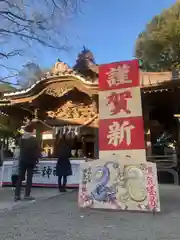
(102, 192)
(128, 184)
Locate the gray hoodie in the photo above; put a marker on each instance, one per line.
(15, 167)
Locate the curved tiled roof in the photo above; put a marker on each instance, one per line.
(61, 71)
(148, 79)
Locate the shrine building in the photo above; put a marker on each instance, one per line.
(66, 100)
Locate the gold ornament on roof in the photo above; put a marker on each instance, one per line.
(58, 92)
(61, 68)
(71, 110)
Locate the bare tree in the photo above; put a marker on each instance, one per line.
(25, 22)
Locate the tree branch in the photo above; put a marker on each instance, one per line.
(28, 22)
(9, 68)
(10, 54)
(18, 17)
(32, 38)
(3, 80)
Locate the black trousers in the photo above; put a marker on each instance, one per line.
(14, 179)
(23, 170)
(62, 180)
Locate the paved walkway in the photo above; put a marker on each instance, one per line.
(7, 202)
(58, 218)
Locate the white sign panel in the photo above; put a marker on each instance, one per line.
(44, 174)
(119, 185)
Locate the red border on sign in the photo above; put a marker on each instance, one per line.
(116, 143)
(132, 75)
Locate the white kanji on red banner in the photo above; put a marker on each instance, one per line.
(119, 102)
(118, 75)
(120, 131)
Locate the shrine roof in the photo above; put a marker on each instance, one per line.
(59, 75)
(62, 74)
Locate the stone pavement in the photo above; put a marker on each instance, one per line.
(58, 218)
(6, 197)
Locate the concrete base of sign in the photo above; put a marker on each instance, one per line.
(119, 185)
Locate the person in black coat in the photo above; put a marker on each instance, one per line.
(29, 157)
(1, 154)
(63, 166)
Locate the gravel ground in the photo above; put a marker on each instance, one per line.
(58, 218)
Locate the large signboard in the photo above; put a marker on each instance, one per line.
(121, 178)
(117, 185)
(121, 128)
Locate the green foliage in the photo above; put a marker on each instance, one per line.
(8, 126)
(159, 45)
(5, 87)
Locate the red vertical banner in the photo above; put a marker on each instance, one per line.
(121, 127)
(119, 75)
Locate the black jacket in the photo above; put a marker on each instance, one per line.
(29, 150)
(63, 167)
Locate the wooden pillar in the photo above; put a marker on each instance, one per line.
(178, 138)
(96, 143)
(38, 129)
(176, 107)
(95, 102)
(38, 134)
(147, 127)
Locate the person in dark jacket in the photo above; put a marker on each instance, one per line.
(63, 166)
(29, 156)
(1, 154)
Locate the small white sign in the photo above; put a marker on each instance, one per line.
(47, 136)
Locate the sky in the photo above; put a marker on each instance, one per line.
(109, 28)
